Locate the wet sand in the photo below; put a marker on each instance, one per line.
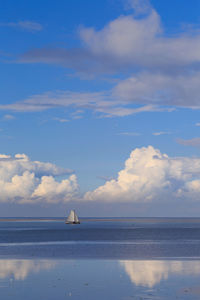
(99, 279)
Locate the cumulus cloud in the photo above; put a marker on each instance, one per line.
(150, 176)
(26, 181)
(55, 191)
(149, 273)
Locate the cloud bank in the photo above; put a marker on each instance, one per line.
(124, 43)
(158, 69)
(150, 176)
(101, 103)
(26, 181)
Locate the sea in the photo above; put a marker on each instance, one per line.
(101, 258)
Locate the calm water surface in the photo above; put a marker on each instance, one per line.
(113, 239)
(100, 259)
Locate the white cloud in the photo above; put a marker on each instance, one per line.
(130, 133)
(55, 191)
(164, 68)
(125, 43)
(78, 114)
(194, 142)
(180, 90)
(150, 176)
(61, 120)
(8, 117)
(26, 181)
(123, 38)
(161, 133)
(139, 6)
(103, 104)
(130, 41)
(149, 273)
(59, 99)
(24, 25)
(10, 166)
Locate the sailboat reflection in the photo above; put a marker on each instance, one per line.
(148, 273)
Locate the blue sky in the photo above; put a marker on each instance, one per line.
(85, 83)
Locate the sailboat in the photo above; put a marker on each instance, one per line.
(72, 218)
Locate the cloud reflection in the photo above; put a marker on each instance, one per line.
(149, 273)
(20, 269)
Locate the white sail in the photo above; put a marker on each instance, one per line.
(76, 218)
(72, 218)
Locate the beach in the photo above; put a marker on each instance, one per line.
(133, 258)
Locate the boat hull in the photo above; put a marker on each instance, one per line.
(72, 222)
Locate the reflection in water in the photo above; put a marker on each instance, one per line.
(19, 269)
(149, 273)
(88, 279)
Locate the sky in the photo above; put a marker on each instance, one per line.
(99, 108)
